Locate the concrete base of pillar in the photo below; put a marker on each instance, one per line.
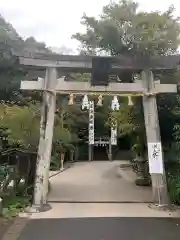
(36, 208)
(168, 207)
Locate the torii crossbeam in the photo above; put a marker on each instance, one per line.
(80, 88)
(51, 85)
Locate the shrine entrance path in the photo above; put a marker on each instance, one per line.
(99, 182)
(102, 181)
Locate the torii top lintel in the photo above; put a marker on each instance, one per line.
(78, 63)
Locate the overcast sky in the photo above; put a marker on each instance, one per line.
(54, 21)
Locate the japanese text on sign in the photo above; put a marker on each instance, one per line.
(155, 158)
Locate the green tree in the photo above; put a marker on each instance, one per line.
(122, 29)
(23, 124)
(10, 72)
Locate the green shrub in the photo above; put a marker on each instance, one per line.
(174, 188)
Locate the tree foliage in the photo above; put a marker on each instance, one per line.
(122, 29)
(10, 72)
(23, 124)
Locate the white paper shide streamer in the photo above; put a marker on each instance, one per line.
(85, 102)
(115, 104)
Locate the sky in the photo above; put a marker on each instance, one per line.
(54, 22)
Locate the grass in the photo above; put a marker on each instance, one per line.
(13, 206)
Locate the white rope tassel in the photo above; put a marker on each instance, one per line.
(71, 99)
(130, 102)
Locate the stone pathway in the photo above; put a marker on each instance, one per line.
(80, 210)
(91, 210)
(97, 182)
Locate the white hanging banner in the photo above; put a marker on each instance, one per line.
(155, 158)
(114, 134)
(114, 106)
(91, 122)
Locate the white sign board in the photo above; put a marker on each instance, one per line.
(155, 158)
(114, 136)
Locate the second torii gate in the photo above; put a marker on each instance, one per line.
(51, 85)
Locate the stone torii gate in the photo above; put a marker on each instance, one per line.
(51, 65)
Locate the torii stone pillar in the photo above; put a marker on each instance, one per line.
(46, 136)
(155, 154)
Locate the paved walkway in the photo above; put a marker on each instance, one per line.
(103, 229)
(97, 182)
(90, 183)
